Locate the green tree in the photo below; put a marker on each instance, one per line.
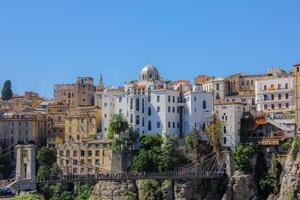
(46, 157)
(242, 156)
(149, 140)
(117, 125)
(171, 156)
(83, 192)
(148, 157)
(150, 190)
(7, 91)
(125, 141)
(66, 196)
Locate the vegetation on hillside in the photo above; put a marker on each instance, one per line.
(242, 155)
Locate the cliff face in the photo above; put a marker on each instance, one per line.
(113, 191)
(241, 186)
(290, 179)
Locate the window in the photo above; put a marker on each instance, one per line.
(131, 103)
(195, 98)
(272, 106)
(265, 106)
(279, 105)
(143, 122)
(287, 105)
(204, 104)
(224, 140)
(158, 109)
(252, 82)
(149, 97)
(137, 104)
(195, 110)
(279, 96)
(218, 96)
(169, 124)
(272, 96)
(82, 153)
(173, 99)
(217, 86)
(74, 153)
(224, 130)
(265, 87)
(97, 153)
(97, 162)
(158, 124)
(143, 105)
(279, 86)
(173, 109)
(242, 82)
(174, 124)
(149, 126)
(120, 111)
(169, 99)
(90, 153)
(286, 95)
(286, 86)
(131, 118)
(158, 98)
(149, 111)
(120, 99)
(169, 109)
(137, 120)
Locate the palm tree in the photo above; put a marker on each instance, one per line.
(117, 125)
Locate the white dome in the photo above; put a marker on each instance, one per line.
(149, 72)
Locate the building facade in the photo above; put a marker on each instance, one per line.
(81, 93)
(275, 94)
(155, 106)
(230, 115)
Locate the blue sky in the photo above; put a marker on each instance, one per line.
(48, 42)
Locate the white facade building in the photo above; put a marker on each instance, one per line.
(230, 114)
(275, 94)
(154, 106)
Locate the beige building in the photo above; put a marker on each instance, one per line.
(86, 157)
(82, 123)
(23, 127)
(56, 114)
(297, 96)
(80, 93)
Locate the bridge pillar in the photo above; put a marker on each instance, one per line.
(229, 163)
(25, 166)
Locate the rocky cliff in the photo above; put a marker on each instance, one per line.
(290, 177)
(241, 186)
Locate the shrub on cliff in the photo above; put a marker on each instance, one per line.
(242, 156)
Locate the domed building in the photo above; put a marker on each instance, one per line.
(149, 72)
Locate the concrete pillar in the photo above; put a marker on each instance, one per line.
(26, 166)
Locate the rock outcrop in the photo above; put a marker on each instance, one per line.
(241, 186)
(113, 191)
(290, 179)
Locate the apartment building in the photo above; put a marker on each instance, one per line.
(275, 94)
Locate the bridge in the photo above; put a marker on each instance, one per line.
(207, 167)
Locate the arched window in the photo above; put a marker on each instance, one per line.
(149, 126)
(224, 130)
(149, 111)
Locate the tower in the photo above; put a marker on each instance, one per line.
(25, 166)
(297, 96)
